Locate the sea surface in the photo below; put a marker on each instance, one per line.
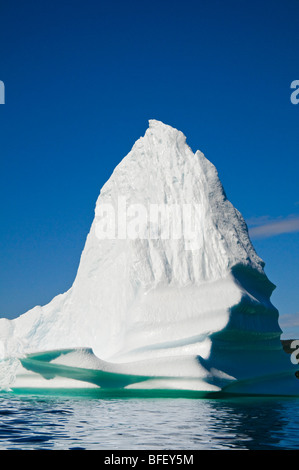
(66, 422)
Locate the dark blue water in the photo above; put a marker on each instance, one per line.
(72, 422)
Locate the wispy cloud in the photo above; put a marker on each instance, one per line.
(289, 324)
(265, 227)
(289, 320)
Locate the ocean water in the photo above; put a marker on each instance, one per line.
(63, 422)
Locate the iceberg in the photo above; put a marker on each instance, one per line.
(170, 293)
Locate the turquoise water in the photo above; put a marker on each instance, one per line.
(48, 421)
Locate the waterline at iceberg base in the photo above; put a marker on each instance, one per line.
(154, 314)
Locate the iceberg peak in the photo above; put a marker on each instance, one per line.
(155, 124)
(164, 132)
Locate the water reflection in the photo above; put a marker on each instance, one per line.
(247, 423)
(51, 422)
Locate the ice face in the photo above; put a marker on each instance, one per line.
(168, 279)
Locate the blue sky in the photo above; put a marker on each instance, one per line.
(82, 79)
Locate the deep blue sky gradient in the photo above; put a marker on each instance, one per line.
(83, 78)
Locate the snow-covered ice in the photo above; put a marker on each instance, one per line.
(156, 311)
